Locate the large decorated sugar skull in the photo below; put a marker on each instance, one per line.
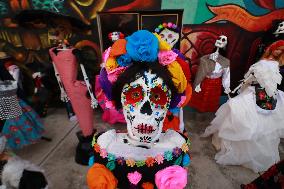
(145, 103)
(221, 42)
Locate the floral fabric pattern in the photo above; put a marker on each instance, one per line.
(263, 100)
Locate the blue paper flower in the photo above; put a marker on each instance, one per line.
(110, 157)
(124, 60)
(168, 155)
(142, 46)
(91, 160)
(175, 110)
(186, 160)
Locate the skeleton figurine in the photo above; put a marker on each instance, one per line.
(66, 60)
(114, 36)
(169, 32)
(213, 71)
(220, 43)
(280, 29)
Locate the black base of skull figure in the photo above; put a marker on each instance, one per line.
(144, 156)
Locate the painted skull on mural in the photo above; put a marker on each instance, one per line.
(169, 36)
(221, 42)
(145, 103)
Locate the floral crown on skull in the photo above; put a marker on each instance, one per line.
(146, 48)
(168, 25)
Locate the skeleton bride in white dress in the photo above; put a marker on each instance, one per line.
(247, 129)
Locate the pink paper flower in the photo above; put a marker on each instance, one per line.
(109, 104)
(166, 57)
(112, 75)
(171, 177)
(181, 102)
(159, 159)
(106, 54)
(103, 153)
(134, 178)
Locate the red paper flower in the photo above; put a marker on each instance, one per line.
(261, 95)
(150, 161)
(268, 105)
(97, 148)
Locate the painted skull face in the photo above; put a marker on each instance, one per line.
(114, 36)
(169, 36)
(280, 29)
(221, 42)
(145, 103)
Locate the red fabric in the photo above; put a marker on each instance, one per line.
(66, 64)
(207, 100)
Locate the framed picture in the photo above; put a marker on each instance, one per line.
(129, 22)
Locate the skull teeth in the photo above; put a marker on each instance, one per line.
(145, 129)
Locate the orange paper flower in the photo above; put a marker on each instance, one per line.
(130, 162)
(97, 148)
(118, 48)
(150, 161)
(147, 185)
(99, 177)
(184, 148)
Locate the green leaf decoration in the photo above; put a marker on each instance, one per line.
(94, 141)
(188, 142)
(140, 163)
(111, 165)
(178, 160)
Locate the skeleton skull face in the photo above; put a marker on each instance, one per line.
(280, 29)
(169, 36)
(145, 103)
(221, 42)
(114, 36)
(14, 71)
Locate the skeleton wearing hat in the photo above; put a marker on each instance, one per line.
(146, 85)
(213, 72)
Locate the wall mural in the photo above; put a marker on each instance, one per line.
(243, 21)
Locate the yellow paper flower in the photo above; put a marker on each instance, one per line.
(130, 162)
(163, 45)
(184, 148)
(111, 64)
(178, 76)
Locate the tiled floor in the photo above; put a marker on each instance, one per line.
(57, 156)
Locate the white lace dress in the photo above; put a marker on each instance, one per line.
(244, 133)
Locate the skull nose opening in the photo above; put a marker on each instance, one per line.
(146, 108)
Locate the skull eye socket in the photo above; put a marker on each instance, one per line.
(162, 35)
(223, 40)
(133, 95)
(158, 96)
(170, 36)
(281, 25)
